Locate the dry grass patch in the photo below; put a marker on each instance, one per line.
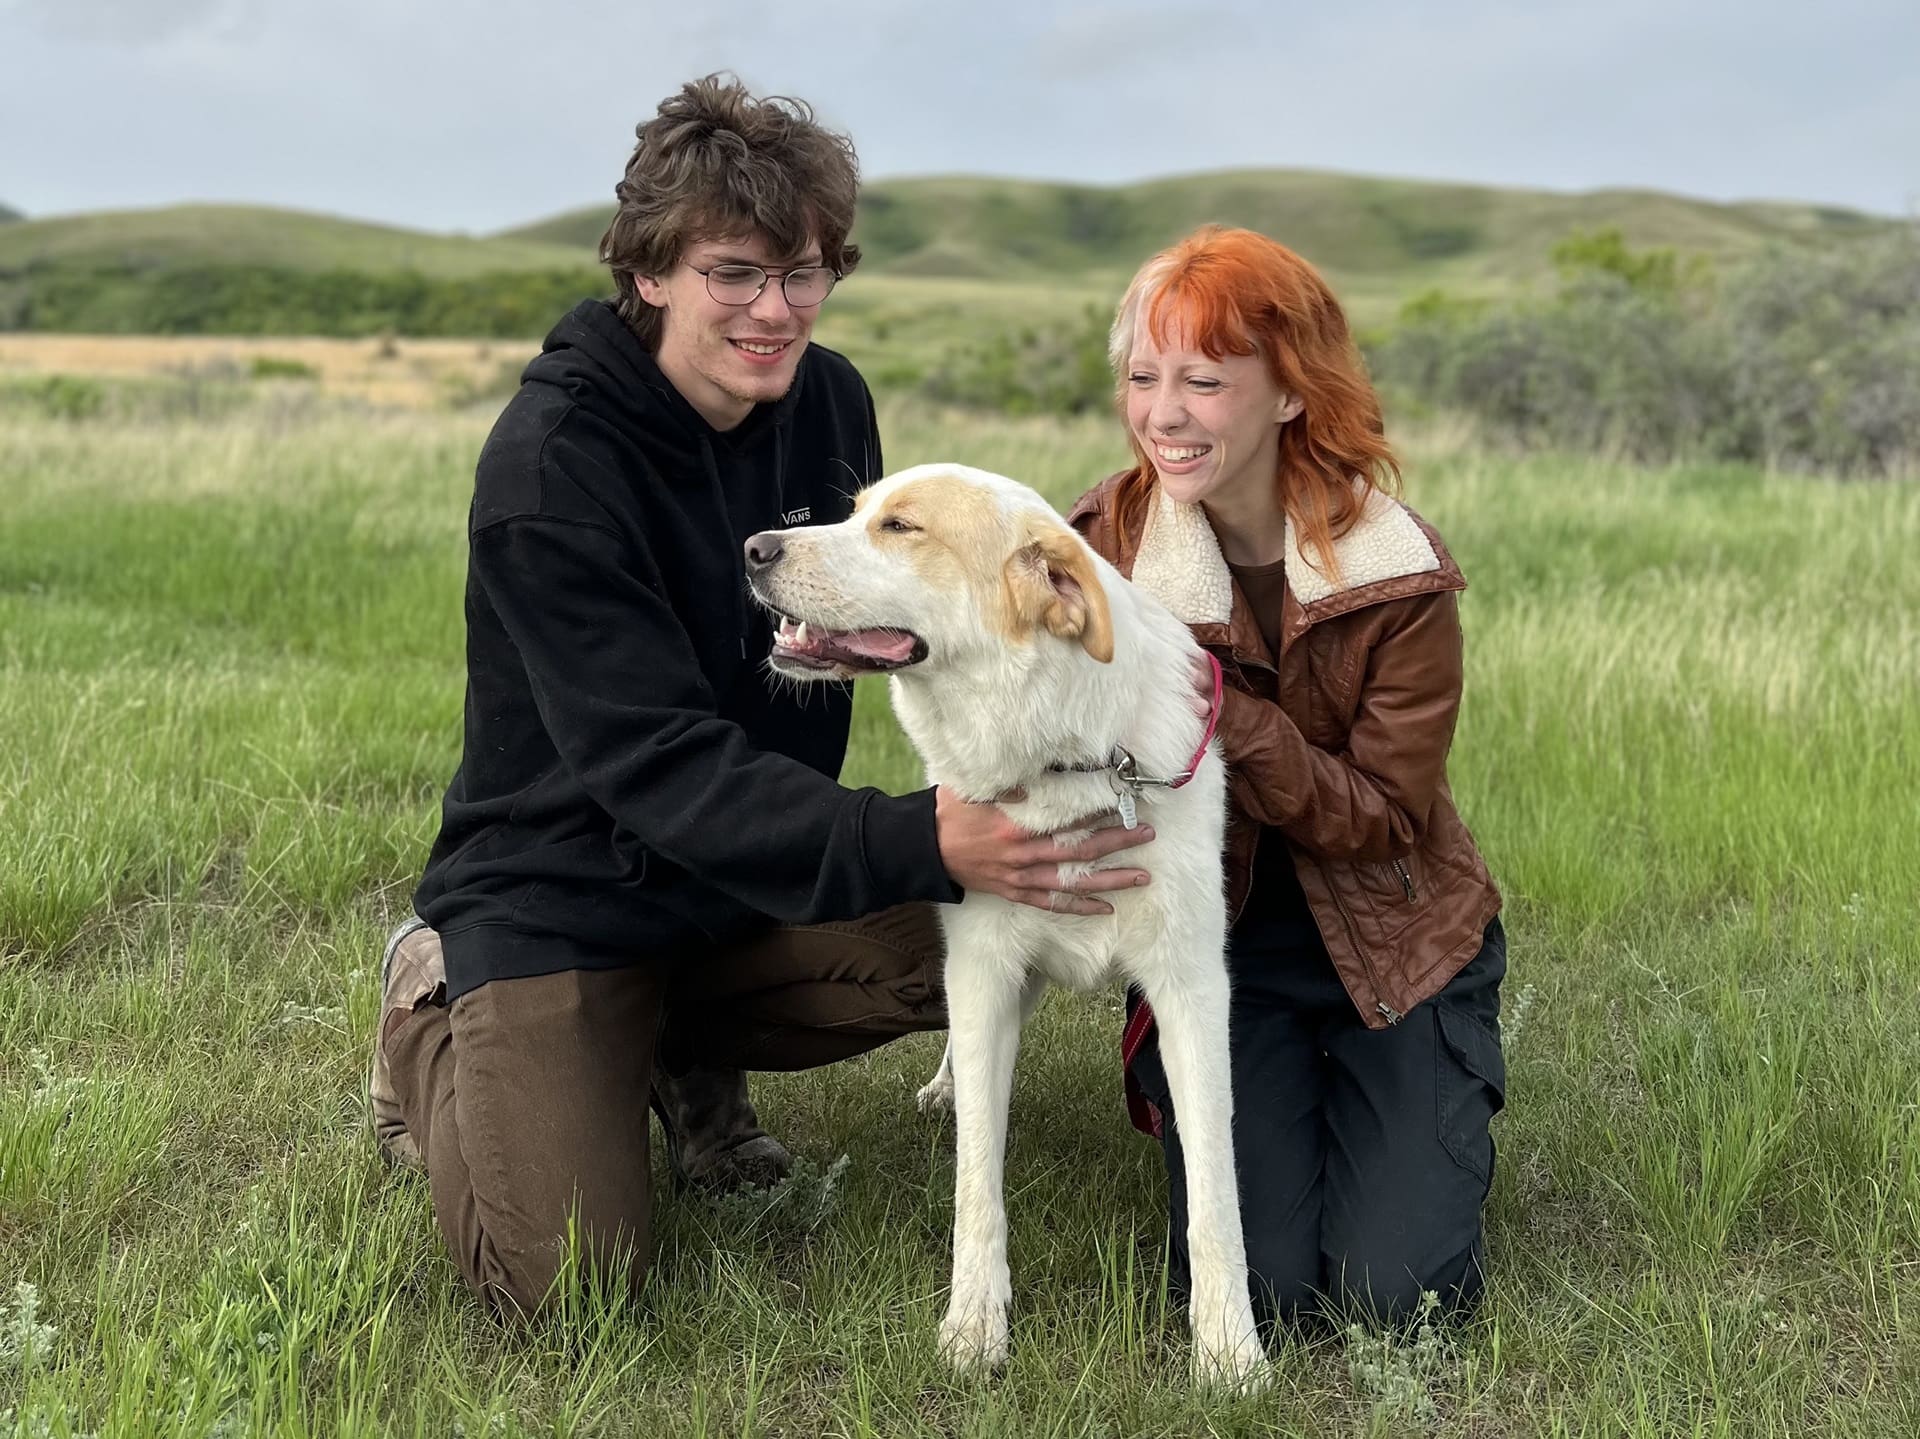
(377, 370)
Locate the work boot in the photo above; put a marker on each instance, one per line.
(714, 1138)
(413, 972)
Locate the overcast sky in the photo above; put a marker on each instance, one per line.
(481, 114)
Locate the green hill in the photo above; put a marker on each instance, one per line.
(8, 214)
(1402, 235)
(258, 235)
(1048, 249)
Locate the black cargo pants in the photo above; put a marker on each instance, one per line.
(1363, 1155)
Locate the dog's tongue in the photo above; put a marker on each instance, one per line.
(894, 647)
(876, 646)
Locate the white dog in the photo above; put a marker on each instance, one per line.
(1021, 659)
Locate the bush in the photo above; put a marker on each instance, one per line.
(270, 300)
(1061, 370)
(1797, 359)
(1823, 357)
(59, 397)
(272, 367)
(132, 399)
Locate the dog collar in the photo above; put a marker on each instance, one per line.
(1123, 770)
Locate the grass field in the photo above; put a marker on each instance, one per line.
(902, 328)
(387, 373)
(229, 698)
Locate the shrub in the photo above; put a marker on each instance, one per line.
(1798, 359)
(1058, 370)
(59, 397)
(271, 300)
(272, 367)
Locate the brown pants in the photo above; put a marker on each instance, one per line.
(528, 1097)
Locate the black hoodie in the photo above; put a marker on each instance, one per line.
(634, 786)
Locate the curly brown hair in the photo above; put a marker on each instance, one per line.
(717, 162)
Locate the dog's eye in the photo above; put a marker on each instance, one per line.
(894, 525)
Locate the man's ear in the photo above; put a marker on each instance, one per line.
(1052, 584)
(651, 289)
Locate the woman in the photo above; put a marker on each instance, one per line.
(1365, 950)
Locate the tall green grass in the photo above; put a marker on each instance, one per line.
(229, 698)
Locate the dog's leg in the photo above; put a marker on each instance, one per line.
(984, 1000)
(936, 1095)
(1191, 1010)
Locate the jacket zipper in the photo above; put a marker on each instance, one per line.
(1406, 879)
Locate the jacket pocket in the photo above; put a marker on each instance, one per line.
(1397, 891)
(1470, 1083)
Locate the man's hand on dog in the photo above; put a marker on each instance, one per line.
(984, 850)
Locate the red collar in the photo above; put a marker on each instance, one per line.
(1213, 722)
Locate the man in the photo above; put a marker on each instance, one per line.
(647, 880)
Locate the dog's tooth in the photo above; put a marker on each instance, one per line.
(800, 635)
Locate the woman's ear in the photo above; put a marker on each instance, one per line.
(1290, 407)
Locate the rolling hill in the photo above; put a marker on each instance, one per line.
(1404, 234)
(1043, 249)
(258, 235)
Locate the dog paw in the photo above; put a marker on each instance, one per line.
(974, 1338)
(1239, 1366)
(936, 1097)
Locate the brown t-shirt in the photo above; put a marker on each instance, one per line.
(1277, 918)
(1263, 585)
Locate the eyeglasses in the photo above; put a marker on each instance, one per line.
(742, 284)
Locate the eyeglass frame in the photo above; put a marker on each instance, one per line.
(766, 277)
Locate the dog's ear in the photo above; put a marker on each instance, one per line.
(1052, 584)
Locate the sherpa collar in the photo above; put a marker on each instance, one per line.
(1180, 564)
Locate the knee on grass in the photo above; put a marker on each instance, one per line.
(564, 1281)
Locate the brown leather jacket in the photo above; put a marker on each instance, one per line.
(1340, 741)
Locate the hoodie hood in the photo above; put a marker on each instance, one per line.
(598, 362)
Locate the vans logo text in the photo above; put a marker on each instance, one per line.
(797, 517)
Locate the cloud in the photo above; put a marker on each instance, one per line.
(132, 24)
(484, 113)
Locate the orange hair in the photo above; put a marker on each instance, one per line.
(1234, 292)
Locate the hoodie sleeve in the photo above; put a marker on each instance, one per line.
(620, 690)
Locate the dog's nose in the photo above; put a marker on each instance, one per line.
(763, 549)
